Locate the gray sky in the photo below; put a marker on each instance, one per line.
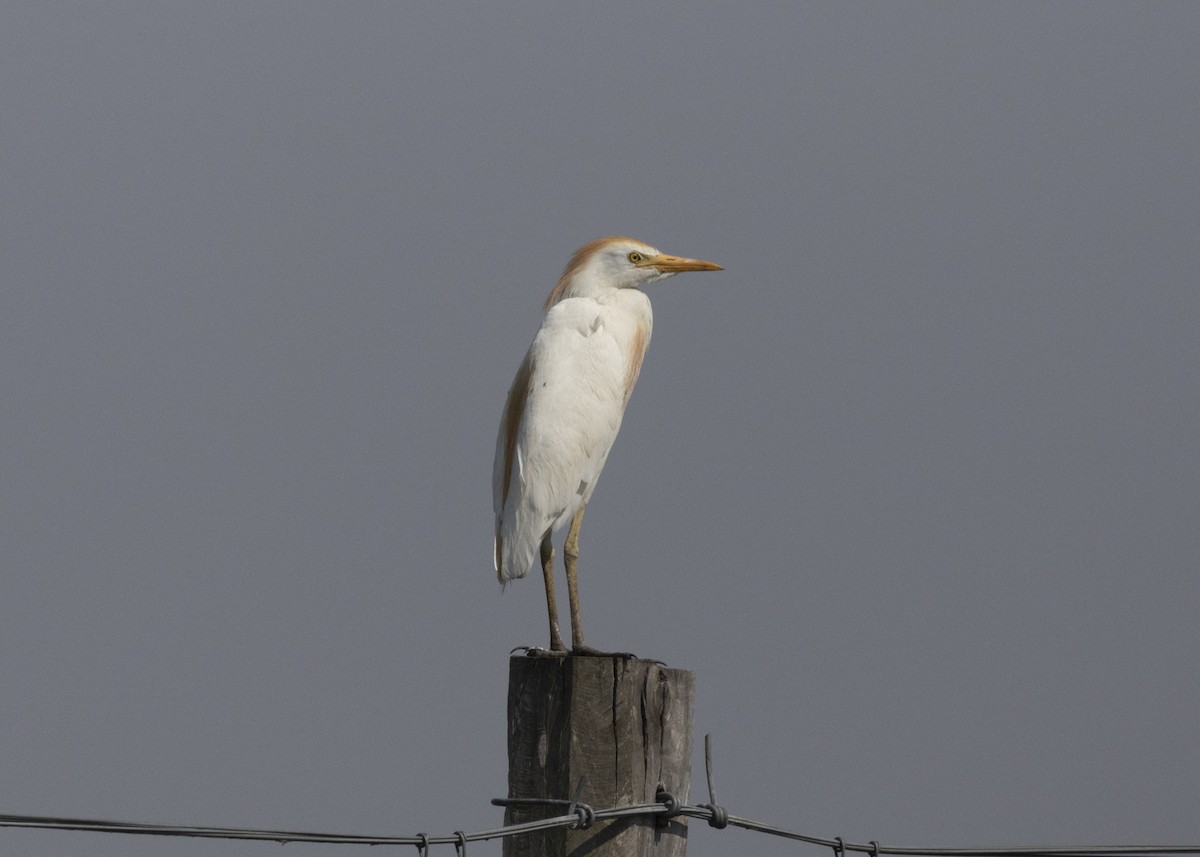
(913, 486)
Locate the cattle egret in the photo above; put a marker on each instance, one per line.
(565, 406)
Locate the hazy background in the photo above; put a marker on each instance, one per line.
(913, 486)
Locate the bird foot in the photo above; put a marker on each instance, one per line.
(585, 651)
(539, 652)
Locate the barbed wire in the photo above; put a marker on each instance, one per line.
(582, 816)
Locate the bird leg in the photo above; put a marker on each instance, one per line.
(556, 643)
(570, 558)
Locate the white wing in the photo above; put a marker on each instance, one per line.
(561, 418)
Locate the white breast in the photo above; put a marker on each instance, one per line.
(582, 366)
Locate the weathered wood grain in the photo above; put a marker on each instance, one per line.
(624, 724)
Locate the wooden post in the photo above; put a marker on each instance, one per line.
(625, 725)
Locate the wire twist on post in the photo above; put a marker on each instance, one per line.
(719, 818)
(585, 817)
(669, 801)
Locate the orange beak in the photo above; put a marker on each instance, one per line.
(675, 264)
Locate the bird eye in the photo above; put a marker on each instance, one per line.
(634, 257)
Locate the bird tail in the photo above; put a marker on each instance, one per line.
(512, 558)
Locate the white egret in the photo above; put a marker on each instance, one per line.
(565, 407)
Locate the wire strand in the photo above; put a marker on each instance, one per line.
(573, 820)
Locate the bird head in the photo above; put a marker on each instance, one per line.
(608, 264)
